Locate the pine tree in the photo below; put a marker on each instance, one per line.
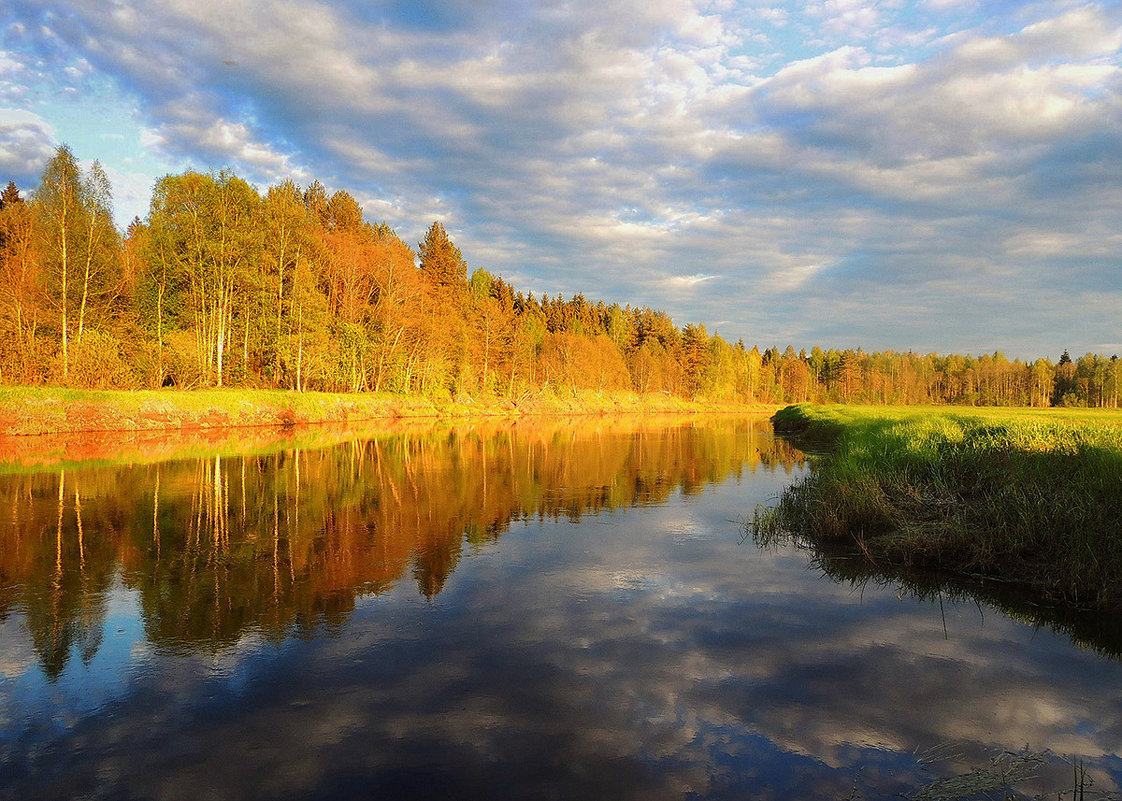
(1064, 386)
(10, 195)
(8, 198)
(441, 260)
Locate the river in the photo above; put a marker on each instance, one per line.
(540, 609)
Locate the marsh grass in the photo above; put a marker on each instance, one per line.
(1018, 496)
(1000, 778)
(1010, 775)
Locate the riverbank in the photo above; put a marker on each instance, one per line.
(35, 410)
(1029, 497)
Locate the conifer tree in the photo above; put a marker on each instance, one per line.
(10, 195)
(441, 260)
(8, 199)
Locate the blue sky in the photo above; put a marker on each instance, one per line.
(932, 175)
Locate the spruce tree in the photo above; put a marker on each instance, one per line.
(440, 259)
(10, 195)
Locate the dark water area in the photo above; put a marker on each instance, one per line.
(531, 610)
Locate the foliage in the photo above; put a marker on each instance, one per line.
(441, 260)
(221, 285)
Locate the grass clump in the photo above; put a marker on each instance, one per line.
(1014, 495)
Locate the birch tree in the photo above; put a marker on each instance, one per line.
(287, 226)
(205, 234)
(101, 243)
(60, 210)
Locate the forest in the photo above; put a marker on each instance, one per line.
(224, 286)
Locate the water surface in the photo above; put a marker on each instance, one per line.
(544, 610)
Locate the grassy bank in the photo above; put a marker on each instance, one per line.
(1032, 497)
(33, 410)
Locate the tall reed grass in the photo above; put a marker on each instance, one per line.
(1017, 496)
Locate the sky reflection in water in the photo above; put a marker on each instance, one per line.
(557, 610)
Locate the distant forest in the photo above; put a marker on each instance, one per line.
(223, 286)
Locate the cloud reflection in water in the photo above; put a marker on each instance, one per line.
(630, 651)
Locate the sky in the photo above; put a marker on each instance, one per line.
(926, 175)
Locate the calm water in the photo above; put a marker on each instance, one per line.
(552, 610)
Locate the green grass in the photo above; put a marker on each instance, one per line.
(1032, 497)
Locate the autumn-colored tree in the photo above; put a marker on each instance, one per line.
(349, 272)
(343, 213)
(695, 357)
(21, 291)
(316, 202)
(10, 195)
(59, 207)
(206, 239)
(441, 260)
(311, 296)
(397, 311)
(102, 247)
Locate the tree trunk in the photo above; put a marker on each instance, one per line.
(300, 351)
(91, 240)
(65, 349)
(245, 346)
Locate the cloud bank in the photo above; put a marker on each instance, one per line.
(916, 175)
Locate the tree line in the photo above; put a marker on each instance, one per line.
(222, 285)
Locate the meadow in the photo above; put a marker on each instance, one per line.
(1030, 497)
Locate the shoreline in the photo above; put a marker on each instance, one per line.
(34, 411)
(1005, 495)
(66, 449)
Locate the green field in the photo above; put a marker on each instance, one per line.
(1027, 496)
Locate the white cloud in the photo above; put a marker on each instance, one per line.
(677, 282)
(794, 276)
(132, 192)
(630, 140)
(27, 142)
(851, 19)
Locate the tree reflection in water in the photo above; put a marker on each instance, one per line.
(282, 543)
